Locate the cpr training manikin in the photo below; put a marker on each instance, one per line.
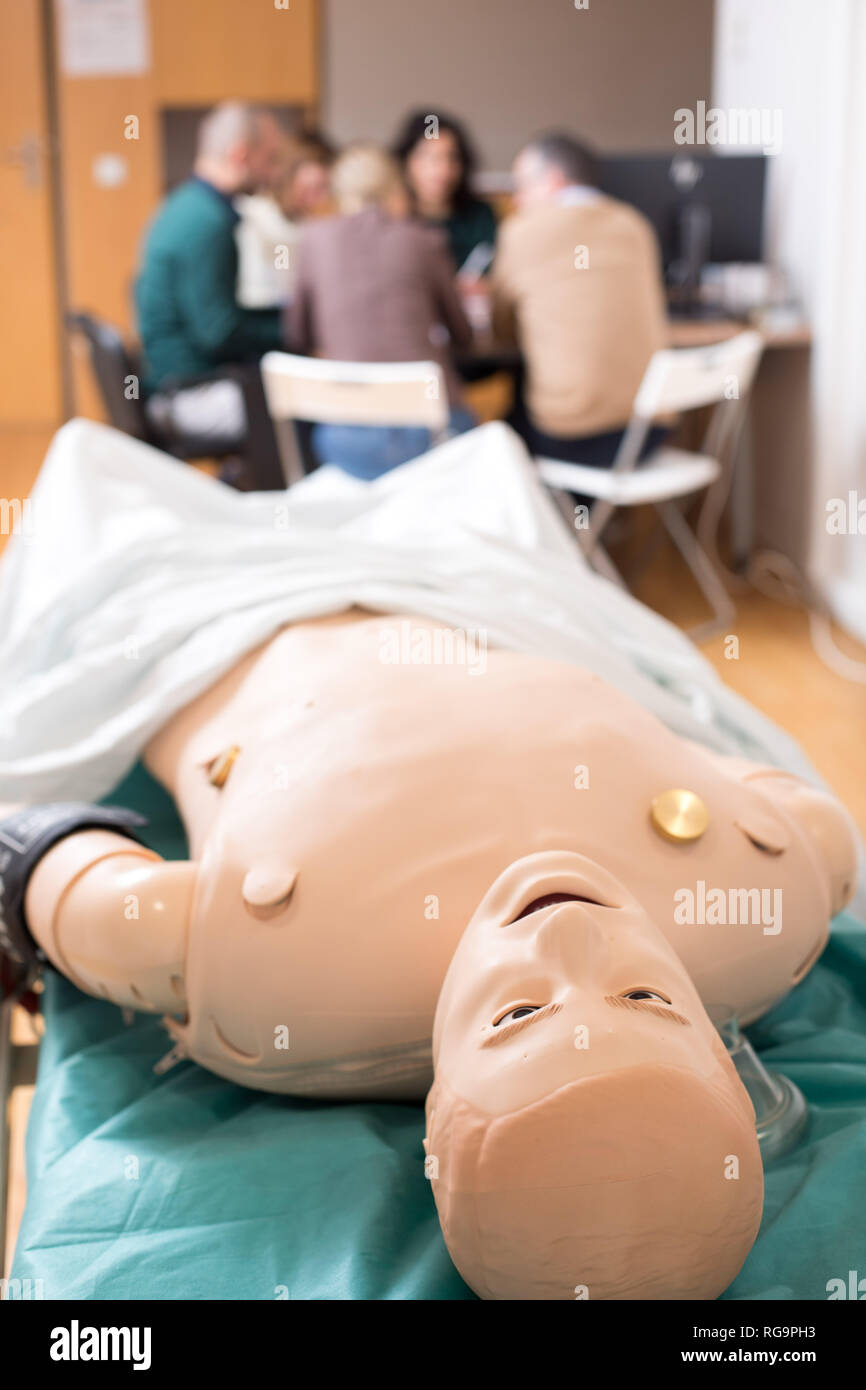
(512, 860)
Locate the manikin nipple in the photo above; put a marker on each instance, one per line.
(267, 889)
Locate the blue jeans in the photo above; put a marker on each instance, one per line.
(368, 451)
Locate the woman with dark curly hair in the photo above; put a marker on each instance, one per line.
(438, 162)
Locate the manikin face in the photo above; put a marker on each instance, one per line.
(562, 976)
(587, 1136)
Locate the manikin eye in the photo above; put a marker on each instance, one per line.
(649, 996)
(522, 1011)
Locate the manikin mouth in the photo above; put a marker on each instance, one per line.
(550, 900)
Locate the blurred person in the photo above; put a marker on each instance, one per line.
(305, 188)
(270, 222)
(577, 280)
(375, 286)
(190, 322)
(438, 162)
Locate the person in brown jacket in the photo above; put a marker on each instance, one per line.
(577, 280)
(372, 285)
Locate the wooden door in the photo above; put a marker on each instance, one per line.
(30, 377)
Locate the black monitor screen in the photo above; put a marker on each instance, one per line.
(730, 187)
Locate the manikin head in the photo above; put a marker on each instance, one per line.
(240, 148)
(587, 1135)
(547, 165)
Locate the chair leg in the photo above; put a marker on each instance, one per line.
(260, 449)
(699, 563)
(603, 565)
(566, 507)
(595, 555)
(599, 516)
(289, 446)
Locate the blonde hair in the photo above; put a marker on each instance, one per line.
(365, 176)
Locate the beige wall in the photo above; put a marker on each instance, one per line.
(616, 71)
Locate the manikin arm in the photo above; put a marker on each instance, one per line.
(112, 916)
(828, 825)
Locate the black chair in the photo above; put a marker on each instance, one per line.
(117, 369)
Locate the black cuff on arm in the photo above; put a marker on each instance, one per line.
(25, 837)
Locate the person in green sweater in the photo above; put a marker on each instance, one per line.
(189, 320)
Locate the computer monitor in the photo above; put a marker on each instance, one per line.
(705, 208)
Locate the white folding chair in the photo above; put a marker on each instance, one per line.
(675, 380)
(349, 393)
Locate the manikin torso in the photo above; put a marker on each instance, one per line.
(387, 822)
(382, 785)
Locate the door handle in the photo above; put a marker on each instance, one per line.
(27, 156)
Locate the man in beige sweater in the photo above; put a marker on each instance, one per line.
(577, 280)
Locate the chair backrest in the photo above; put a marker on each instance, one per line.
(355, 393)
(685, 378)
(679, 379)
(113, 366)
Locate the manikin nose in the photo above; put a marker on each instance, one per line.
(575, 934)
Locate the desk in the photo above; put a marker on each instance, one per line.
(687, 333)
(488, 355)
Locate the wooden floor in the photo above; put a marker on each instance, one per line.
(776, 669)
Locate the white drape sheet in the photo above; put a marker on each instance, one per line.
(135, 582)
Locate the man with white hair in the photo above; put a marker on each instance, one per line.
(190, 322)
